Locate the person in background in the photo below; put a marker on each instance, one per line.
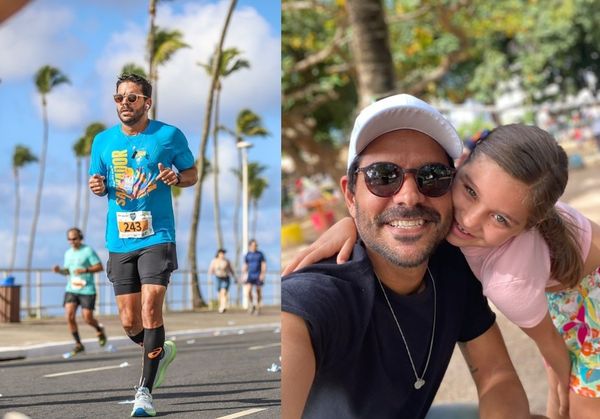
(254, 270)
(221, 268)
(80, 264)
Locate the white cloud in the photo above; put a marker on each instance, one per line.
(31, 49)
(182, 84)
(67, 106)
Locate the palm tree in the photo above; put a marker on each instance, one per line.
(91, 131)
(371, 49)
(166, 43)
(46, 79)
(248, 124)
(79, 151)
(197, 300)
(229, 64)
(21, 157)
(257, 186)
(133, 68)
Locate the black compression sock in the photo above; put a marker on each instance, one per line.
(138, 339)
(76, 337)
(154, 340)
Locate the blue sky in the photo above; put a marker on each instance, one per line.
(90, 41)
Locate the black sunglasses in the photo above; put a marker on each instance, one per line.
(131, 97)
(385, 179)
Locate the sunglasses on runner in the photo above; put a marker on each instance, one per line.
(131, 97)
(385, 179)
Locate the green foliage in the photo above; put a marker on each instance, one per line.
(456, 50)
(166, 43)
(230, 62)
(47, 78)
(249, 124)
(133, 68)
(22, 156)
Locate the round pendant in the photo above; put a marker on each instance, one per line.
(419, 383)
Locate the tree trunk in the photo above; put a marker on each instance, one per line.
(254, 217)
(371, 50)
(236, 213)
(38, 199)
(13, 251)
(150, 53)
(78, 193)
(86, 201)
(216, 206)
(197, 299)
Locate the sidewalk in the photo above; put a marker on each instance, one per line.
(32, 337)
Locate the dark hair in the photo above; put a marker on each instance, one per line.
(220, 251)
(76, 230)
(532, 156)
(352, 173)
(137, 79)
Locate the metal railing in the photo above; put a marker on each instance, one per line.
(44, 296)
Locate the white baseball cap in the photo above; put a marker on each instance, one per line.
(402, 112)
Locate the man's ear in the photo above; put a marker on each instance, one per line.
(348, 195)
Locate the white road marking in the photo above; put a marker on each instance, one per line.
(270, 345)
(243, 413)
(60, 374)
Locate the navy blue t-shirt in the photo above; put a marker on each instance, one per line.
(254, 261)
(362, 367)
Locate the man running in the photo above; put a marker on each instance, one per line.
(254, 269)
(80, 264)
(132, 164)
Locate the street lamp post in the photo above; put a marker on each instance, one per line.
(244, 146)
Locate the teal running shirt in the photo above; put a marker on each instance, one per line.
(140, 211)
(81, 258)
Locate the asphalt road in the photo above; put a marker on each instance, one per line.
(212, 377)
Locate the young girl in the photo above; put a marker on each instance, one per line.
(529, 252)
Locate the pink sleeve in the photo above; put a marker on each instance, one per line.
(514, 278)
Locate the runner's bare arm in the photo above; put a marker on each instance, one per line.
(97, 185)
(181, 179)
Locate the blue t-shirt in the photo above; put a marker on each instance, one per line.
(81, 258)
(362, 366)
(140, 211)
(254, 261)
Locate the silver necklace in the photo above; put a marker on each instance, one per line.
(420, 382)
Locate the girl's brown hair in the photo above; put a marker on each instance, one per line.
(532, 156)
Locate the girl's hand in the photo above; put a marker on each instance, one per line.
(339, 238)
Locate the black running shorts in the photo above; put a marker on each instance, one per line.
(83, 300)
(150, 265)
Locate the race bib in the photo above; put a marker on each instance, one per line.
(134, 225)
(77, 283)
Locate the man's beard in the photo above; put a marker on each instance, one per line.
(133, 119)
(370, 232)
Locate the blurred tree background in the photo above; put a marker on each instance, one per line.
(339, 55)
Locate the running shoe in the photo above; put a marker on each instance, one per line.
(77, 349)
(101, 336)
(168, 356)
(142, 406)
